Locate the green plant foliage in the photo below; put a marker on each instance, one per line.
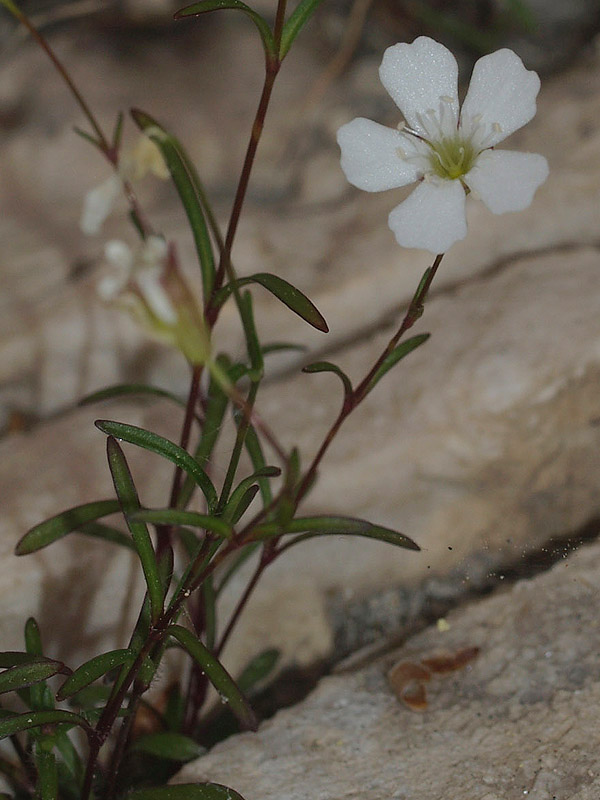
(298, 19)
(228, 690)
(92, 670)
(15, 723)
(168, 745)
(327, 366)
(130, 390)
(330, 525)
(66, 522)
(204, 7)
(397, 354)
(177, 162)
(293, 298)
(258, 669)
(128, 498)
(173, 516)
(24, 675)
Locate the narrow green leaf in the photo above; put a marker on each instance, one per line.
(209, 612)
(47, 775)
(230, 511)
(217, 674)
(254, 449)
(169, 745)
(33, 638)
(293, 298)
(205, 6)
(88, 137)
(327, 366)
(252, 342)
(186, 791)
(128, 498)
(15, 723)
(176, 161)
(174, 516)
(70, 756)
(163, 447)
(92, 670)
(277, 347)
(244, 503)
(129, 389)
(397, 354)
(66, 522)
(97, 530)
(258, 669)
(297, 20)
(329, 525)
(12, 658)
(24, 675)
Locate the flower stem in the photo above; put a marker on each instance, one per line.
(414, 311)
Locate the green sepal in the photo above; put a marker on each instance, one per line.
(66, 522)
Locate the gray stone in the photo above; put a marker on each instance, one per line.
(519, 721)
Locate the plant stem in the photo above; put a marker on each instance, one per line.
(414, 311)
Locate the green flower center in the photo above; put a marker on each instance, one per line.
(452, 157)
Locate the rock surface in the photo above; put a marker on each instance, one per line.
(487, 443)
(520, 721)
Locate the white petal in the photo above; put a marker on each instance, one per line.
(432, 217)
(501, 96)
(98, 204)
(153, 292)
(370, 157)
(119, 255)
(418, 76)
(505, 180)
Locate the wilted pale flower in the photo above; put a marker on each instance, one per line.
(449, 150)
(144, 158)
(149, 284)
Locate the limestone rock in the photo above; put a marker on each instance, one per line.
(520, 721)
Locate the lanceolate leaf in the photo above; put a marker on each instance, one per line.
(92, 670)
(128, 498)
(397, 354)
(108, 534)
(252, 343)
(217, 674)
(309, 527)
(186, 791)
(173, 516)
(176, 161)
(327, 366)
(163, 447)
(216, 5)
(22, 722)
(129, 389)
(258, 669)
(169, 745)
(47, 782)
(241, 489)
(293, 298)
(24, 675)
(66, 522)
(298, 19)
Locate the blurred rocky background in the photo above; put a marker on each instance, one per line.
(484, 446)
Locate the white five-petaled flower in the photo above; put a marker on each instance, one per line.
(450, 150)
